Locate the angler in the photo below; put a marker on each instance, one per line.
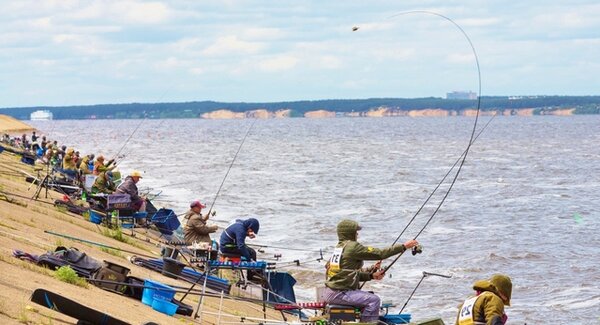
(345, 272)
(487, 307)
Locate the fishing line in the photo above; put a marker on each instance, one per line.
(441, 182)
(231, 165)
(464, 157)
(471, 139)
(223, 182)
(143, 119)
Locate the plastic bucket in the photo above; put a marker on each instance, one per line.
(396, 319)
(95, 217)
(150, 294)
(165, 307)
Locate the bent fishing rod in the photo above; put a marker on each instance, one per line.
(471, 138)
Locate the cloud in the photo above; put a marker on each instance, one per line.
(124, 12)
(279, 63)
(231, 45)
(262, 34)
(142, 12)
(460, 58)
(56, 43)
(330, 62)
(479, 22)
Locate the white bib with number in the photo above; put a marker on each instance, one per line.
(466, 312)
(334, 261)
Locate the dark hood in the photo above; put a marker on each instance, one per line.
(251, 224)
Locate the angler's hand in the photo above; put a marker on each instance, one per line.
(378, 275)
(411, 243)
(376, 266)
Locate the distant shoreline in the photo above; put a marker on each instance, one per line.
(373, 107)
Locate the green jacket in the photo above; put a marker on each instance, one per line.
(83, 166)
(103, 185)
(68, 162)
(350, 273)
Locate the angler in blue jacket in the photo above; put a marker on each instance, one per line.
(233, 239)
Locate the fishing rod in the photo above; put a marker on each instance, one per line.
(462, 160)
(464, 157)
(287, 248)
(24, 197)
(199, 292)
(129, 138)
(231, 165)
(425, 274)
(298, 262)
(97, 244)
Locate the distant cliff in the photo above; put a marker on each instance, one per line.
(374, 107)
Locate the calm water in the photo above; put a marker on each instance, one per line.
(526, 203)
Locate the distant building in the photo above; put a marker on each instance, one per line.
(42, 115)
(461, 95)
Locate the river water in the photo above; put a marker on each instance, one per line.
(525, 204)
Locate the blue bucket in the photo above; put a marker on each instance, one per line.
(95, 217)
(149, 294)
(164, 306)
(396, 319)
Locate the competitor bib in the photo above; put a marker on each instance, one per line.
(334, 261)
(466, 312)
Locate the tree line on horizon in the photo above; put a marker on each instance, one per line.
(582, 105)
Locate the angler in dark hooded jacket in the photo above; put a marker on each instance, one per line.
(233, 239)
(345, 271)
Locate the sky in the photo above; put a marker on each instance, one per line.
(67, 52)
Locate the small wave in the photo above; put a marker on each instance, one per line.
(527, 256)
(496, 257)
(299, 204)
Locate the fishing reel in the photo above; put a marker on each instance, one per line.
(417, 249)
